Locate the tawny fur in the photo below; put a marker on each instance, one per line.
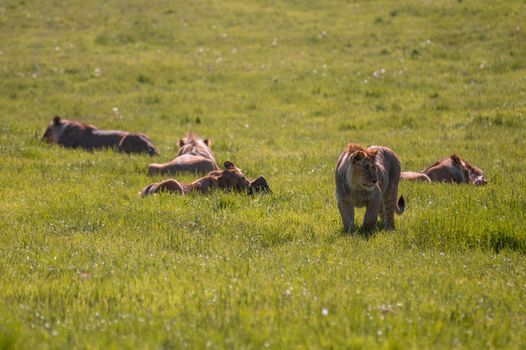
(229, 179)
(194, 156)
(74, 134)
(451, 169)
(414, 176)
(368, 178)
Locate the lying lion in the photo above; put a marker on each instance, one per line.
(74, 134)
(368, 178)
(195, 156)
(451, 169)
(229, 179)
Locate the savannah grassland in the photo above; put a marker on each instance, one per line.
(280, 88)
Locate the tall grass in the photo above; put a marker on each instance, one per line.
(280, 88)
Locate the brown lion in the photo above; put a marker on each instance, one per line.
(74, 134)
(450, 169)
(229, 179)
(195, 155)
(368, 178)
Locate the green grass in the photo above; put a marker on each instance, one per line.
(280, 88)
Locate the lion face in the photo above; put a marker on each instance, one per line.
(364, 169)
(476, 176)
(470, 173)
(232, 178)
(53, 130)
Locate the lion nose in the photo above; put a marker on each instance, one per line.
(375, 181)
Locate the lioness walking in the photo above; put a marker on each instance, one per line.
(368, 178)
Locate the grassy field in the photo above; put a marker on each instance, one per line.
(280, 88)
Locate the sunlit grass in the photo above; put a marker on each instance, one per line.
(280, 88)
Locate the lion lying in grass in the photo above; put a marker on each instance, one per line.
(74, 134)
(195, 155)
(451, 169)
(229, 179)
(368, 178)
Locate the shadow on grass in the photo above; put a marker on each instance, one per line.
(364, 233)
(498, 241)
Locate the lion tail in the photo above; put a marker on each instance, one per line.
(400, 206)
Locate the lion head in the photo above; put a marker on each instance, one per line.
(231, 178)
(470, 173)
(53, 130)
(363, 166)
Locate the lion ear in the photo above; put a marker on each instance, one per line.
(181, 142)
(229, 165)
(208, 142)
(456, 159)
(373, 152)
(357, 156)
(56, 120)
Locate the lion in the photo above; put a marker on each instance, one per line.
(414, 176)
(368, 178)
(450, 169)
(229, 179)
(74, 134)
(195, 155)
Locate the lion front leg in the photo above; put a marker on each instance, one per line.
(346, 208)
(371, 214)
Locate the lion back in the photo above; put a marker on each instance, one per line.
(343, 175)
(390, 169)
(72, 133)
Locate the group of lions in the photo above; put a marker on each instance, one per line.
(194, 156)
(369, 178)
(364, 177)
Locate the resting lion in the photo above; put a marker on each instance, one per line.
(229, 179)
(195, 155)
(74, 134)
(368, 178)
(451, 169)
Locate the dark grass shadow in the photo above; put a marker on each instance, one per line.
(364, 233)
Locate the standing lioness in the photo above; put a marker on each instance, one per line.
(368, 178)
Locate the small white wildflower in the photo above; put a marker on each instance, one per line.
(275, 42)
(98, 72)
(314, 71)
(324, 311)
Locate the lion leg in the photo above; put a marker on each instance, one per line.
(170, 186)
(346, 208)
(390, 205)
(371, 214)
(382, 212)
